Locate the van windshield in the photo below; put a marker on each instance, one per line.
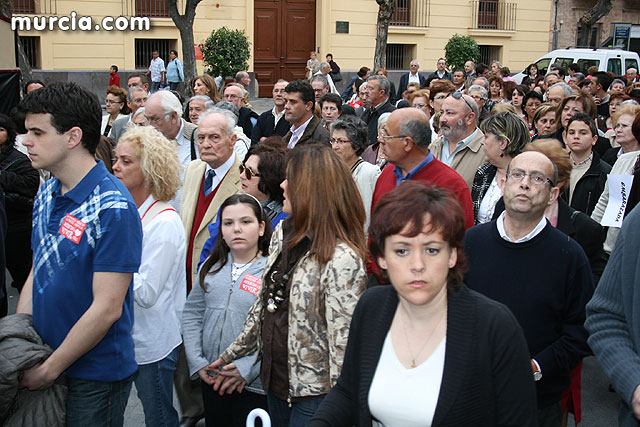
(584, 64)
(543, 65)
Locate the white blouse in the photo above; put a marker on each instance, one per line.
(489, 201)
(159, 287)
(406, 397)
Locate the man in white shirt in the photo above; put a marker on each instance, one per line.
(164, 112)
(411, 77)
(325, 70)
(441, 71)
(157, 71)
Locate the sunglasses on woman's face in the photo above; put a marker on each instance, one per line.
(247, 171)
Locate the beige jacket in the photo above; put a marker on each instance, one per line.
(466, 161)
(193, 177)
(322, 301)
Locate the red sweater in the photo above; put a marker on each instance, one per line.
(434, 173)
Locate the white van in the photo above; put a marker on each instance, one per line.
(615, 60)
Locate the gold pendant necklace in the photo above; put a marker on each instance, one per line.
(406, 336)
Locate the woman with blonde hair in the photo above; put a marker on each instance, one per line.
(314, 276)
(116, 107)
(147, 164)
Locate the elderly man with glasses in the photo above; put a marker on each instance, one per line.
(460, 145)
(541, 275)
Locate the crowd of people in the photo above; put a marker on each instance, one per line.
(425, 256)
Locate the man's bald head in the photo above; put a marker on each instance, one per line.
(413, 123)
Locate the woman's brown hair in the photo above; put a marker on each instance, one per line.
(588, 105)
(122, 97)
(208, 81)
(325, 202)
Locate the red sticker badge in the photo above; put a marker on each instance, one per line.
(251, 283)
(72, 228)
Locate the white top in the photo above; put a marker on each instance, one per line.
(365, 175)
(159, 287)
(105, 122)
(406, 397)
(489, 201)
(276, 116)
(413, 78)
(623, 166)
(296, 133)
(503, 232)
(243, 143)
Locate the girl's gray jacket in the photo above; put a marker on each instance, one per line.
(212, 320)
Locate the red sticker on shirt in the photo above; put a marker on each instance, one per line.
(72, 228)
(251, 283)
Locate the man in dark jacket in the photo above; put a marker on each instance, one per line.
(248, 118)
(441, 71)
(298, 111)
(378, 93)
(272, 122)
(412, 76)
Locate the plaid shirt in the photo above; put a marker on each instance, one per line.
(481, 183)
(157, 68)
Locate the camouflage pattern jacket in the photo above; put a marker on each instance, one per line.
(322, 300)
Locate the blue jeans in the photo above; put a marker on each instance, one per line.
(155, 86)
(154, 383)
(97, 403)
(298, 415)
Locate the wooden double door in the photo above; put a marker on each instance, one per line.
(284, 34)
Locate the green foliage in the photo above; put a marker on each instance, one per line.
(460, 49)
(226, 52)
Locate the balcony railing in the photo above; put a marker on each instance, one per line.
(148, 8)
(493, 15)
(43, 7)
(411, 13)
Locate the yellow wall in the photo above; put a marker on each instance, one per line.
(98, 50)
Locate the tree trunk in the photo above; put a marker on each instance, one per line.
(589, 19)
(385, 12)
(184, 24)
(6, 9)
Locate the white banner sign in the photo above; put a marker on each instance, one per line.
(619, 189)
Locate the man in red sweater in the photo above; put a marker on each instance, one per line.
(405, 146)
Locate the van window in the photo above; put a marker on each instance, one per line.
(615, 66)
(543, 65)
(630, 63)
(584, 64)
(564, 62)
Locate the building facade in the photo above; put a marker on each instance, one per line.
(283, 32)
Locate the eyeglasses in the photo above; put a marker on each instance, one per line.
(247, 171)
(109, 102)
(458, 95)
(535, 177)
(339, 141)
(154, 120)
(386, 137)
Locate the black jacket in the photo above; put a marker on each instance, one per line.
(314, 133)
(244, 120)
(266, 127)
(371, 116)
(587, 232)
(404, 82)
(19, 181)
(590, 186)
(487, 378)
